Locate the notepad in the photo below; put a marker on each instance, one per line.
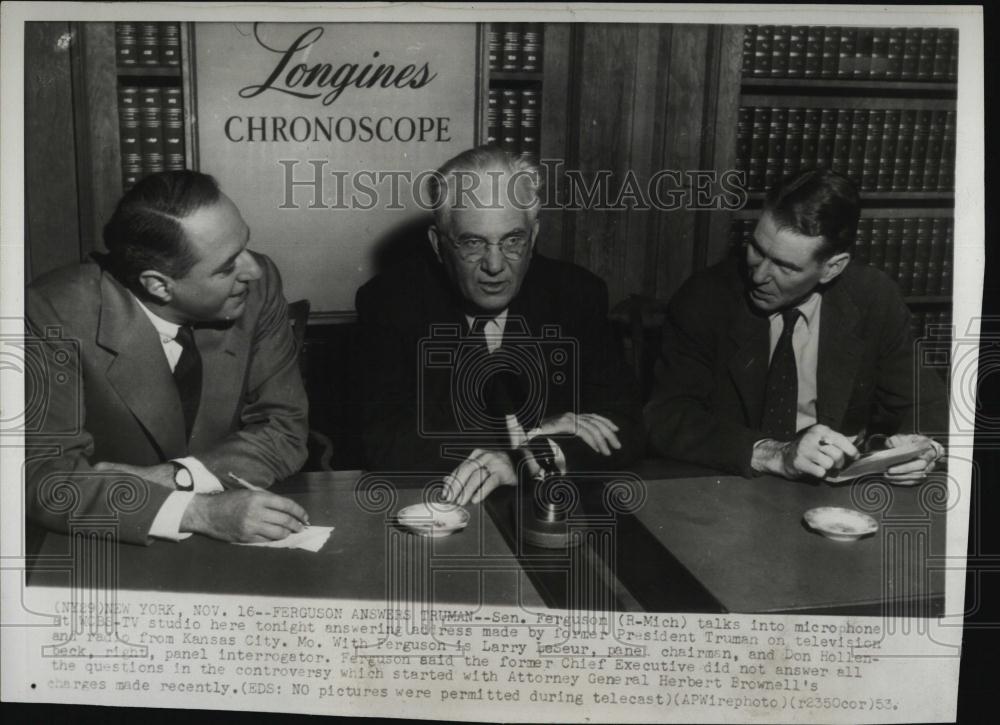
(879, 462)
(311, 538)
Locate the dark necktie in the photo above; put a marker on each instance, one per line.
(187, 375)
(781, 393)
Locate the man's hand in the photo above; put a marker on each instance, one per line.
(919, 467)
(243, 516)
(595, 430)
(477, 476)
(162, 474)
(815, 451)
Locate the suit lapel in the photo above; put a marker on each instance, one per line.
(139, 372)
(839, 354)
(750, 335)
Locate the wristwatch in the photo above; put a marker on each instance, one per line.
(183, 480)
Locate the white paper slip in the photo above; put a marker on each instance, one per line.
(879, 462)
(311, 538)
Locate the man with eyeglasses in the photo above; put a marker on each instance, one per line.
(484, 349)
(786, 360)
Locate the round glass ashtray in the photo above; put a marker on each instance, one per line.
(840, 524)
(434, 519)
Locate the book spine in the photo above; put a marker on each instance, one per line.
(793, 143)
(173, 128)
(932, 284)
(813, 53)
(932, 159)
(904, 147)
(762, 51)
(842, 141)
(827, 137)
(921, 257)
(925, 55)
(848, 45)
(893, 241)
(918, 153)
(494, 46)
(880, 54)
(911, 55)
(942, 55)
(876, 257)
(127, 44)
(151, 130)
(493, 116)
(129, 135)
(887, 151)
(779, 51)
(831, 52)
(946, 259)
(530, 145)
(856, 149)
(946, 175)
(149, 44)
(952, 74)
(775, 147)
(797, 51)
(873, 150)
(533, 40)
(744, 130)
(512, 47)
(749, 41)
(862, 243)
(170, 44)
(810, 139)
(510, 119)
(907, 255)
(894, 54)
(863, 51)
(758, 148)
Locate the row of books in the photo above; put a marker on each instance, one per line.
(515, 47)
(148, 44)
(798, 51)
(512, 120)
(931, 324)
(151, 130)
(917, 252)
(879, 150)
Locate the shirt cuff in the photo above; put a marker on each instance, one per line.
(559, 456)
(167, 524)
(204, 480)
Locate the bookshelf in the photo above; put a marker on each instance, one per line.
(512, 75)
(152, 74)
(878, 105)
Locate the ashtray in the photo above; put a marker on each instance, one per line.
(434, 520)
(840, 524)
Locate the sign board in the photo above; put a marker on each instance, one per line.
(322, 134)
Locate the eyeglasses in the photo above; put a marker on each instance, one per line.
(473, 249)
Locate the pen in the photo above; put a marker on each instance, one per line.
(243, 482)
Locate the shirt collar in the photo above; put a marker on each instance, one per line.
(166, 329)
(500, 319)
(808, 308)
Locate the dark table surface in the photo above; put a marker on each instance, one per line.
(697, 542)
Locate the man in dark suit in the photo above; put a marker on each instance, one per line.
(170, 380)
(783, 362)
(482, 349)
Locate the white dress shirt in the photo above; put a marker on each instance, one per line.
(167, 523)
(805, 345)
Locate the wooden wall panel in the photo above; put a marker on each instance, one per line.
(559, 102)
(52, 233)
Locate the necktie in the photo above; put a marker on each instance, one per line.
(187, 375)
(781, 393)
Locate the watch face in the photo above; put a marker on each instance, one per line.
(182, 478)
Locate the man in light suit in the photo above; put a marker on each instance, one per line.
(183, 385)
(783, 361)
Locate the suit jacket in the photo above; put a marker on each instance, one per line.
(105, 392)
(410, 318)
(710, 393)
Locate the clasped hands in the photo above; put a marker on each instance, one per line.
(239, 515)
(819, 451)
(485, 469)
